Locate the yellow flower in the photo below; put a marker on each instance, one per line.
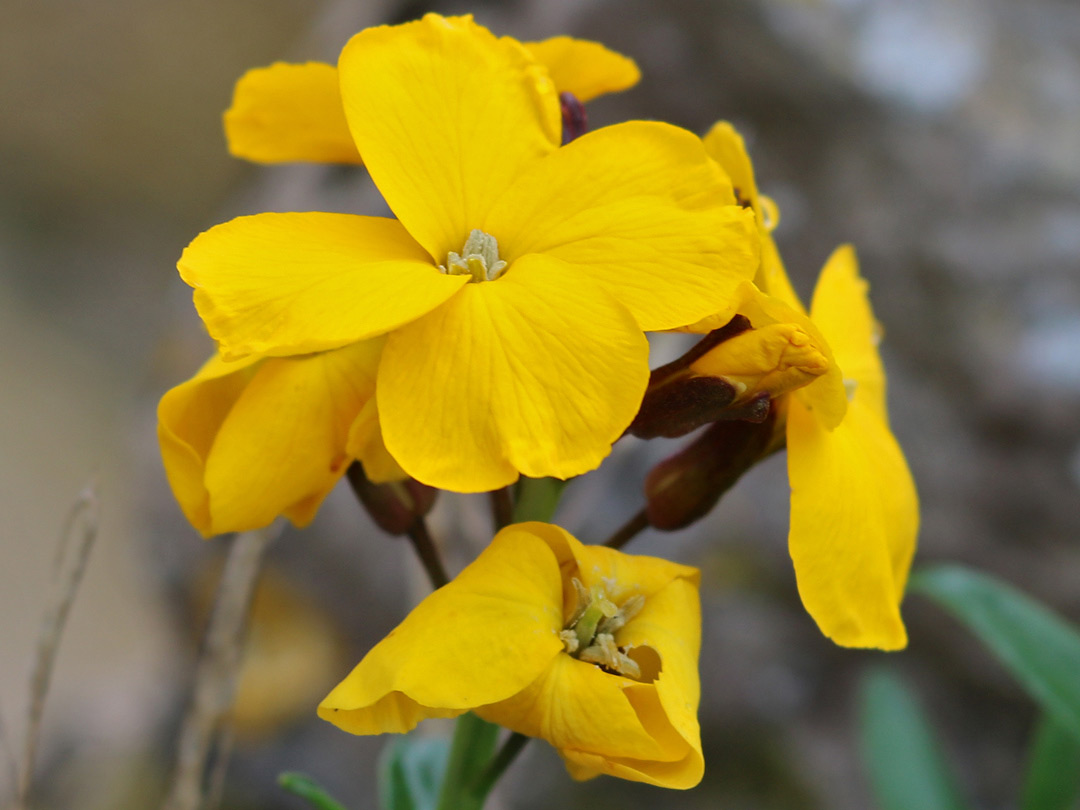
(246, 441)
(515, 284)
(591, 649)
(854, 509)
(294, 112)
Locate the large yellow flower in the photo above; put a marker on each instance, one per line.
(591, 649)
(854, 509)
(294, 112)
(515, 283)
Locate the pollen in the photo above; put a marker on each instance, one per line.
(479, 258)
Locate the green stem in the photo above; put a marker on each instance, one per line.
(490, 775)
(473, 745)
(537, 498)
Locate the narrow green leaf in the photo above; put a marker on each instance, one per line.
(1053, 776)
(537, 498)
(907, 768)
(1040, 650)
(308, 789)
(411, 770)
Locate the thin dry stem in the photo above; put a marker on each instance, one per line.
(76, 541)
(217, 671)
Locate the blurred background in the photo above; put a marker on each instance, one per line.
(941, 137)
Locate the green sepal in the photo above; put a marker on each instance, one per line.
(906, 765)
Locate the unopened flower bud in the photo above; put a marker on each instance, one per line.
(679, 400)
(773, 360)
(683, 488)
(394, 506)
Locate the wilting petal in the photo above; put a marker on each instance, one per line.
(586, 69)
(283, 284)
(245, 442)
(537, 373)
(289, 112)
(841, 308)
(641, 209)
(481, 639)
(446, 116)
(854, 518)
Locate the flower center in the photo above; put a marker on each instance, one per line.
(479, 258)
(590, 633)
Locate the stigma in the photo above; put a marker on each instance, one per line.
(479, 258)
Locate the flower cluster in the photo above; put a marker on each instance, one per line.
(495, 327)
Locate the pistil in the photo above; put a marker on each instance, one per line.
(479, 258)
(590, 633)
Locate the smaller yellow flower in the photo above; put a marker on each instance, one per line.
(246, 441)
(294, 112)
(591, 649)
(854, 508)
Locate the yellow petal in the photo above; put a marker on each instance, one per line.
(641, 209)
(288, 112)
(841, 309)
(586, 69)
(537, 373)
(726, 146)
(854, 519)
(366, 444)
(446, 116)
(245, 442)
(482, 638)
(283, 441)
(826, 395)
(189, 417)
(283, 284)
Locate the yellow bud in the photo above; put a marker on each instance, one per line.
(773, 360)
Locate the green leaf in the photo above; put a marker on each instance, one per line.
(907, 768)
(308, 789)
(1041, 650)
(1053, 777)
(410, 772)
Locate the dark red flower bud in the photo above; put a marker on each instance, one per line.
(395, 506)
(574, 121)
(683, 488)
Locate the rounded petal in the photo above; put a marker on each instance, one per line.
(284, 284)
(537, 373)
(481, 639)
(189, 417)
(841, 308)
(854, 521)
(289, 112)
(586, 69)
(268, 438)
(366, 443)
(446, 116)
(642, 210)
